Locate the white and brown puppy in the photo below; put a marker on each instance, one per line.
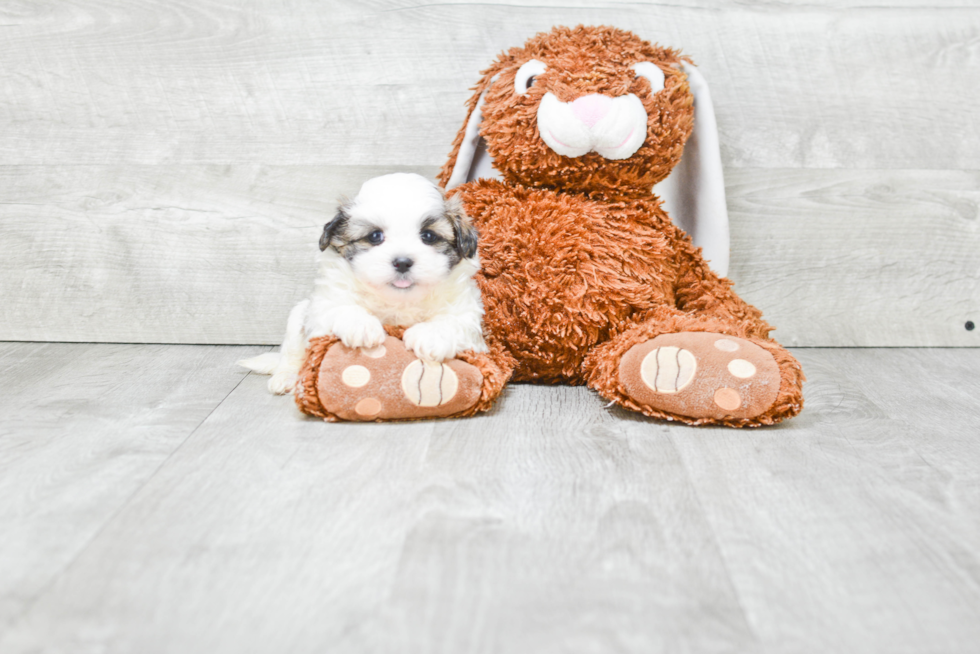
(399, 253)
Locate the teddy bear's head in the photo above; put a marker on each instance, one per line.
(594, 109)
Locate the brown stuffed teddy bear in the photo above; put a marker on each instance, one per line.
(585, 279)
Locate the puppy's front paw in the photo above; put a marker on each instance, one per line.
(430, 342)
(360, 331)
(282, 383)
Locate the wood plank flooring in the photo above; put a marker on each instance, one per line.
(219, 254)
(157, 499)
(167, 165)
(349, 82)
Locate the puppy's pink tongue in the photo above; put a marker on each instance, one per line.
(401, 283)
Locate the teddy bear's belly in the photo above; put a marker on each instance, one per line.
(562, 274)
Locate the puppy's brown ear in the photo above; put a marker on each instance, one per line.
(465, 234)
(334, 229)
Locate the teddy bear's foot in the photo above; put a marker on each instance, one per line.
(701, 375)
(390, 383)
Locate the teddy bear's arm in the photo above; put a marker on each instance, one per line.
(699, 290)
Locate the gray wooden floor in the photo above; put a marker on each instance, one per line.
(157, 499)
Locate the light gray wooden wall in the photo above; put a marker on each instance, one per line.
(165, 166)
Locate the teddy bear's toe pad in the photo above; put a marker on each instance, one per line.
(701, 375)
(389, 383)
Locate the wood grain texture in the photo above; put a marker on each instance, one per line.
(218, 254)
(867, 502)
(859, 258)
(383, 83)
(168, 164)
(551, 524)
(83, 428)
(192, 254)
(539, 527)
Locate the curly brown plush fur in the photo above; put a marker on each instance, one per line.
(581, 61)
(580, 262)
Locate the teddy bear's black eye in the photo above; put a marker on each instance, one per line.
(652, 73)
(428, 236)
(376, 237)
(526, 74)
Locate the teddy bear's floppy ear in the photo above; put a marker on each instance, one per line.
(694, 192)
(469, 159)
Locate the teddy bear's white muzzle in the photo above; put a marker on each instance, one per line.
(613, 127)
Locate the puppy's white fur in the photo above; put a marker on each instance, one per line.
(355, 296)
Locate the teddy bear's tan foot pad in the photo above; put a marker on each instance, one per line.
(389, 382)
(701, 375)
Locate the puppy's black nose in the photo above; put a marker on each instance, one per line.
(402, 264)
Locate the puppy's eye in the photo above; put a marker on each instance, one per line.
(526, 75)
(376, 237)
(653, 73)
(428, 236)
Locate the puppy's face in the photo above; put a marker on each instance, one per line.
(400, 236)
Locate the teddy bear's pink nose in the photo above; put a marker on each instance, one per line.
(591, 108)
